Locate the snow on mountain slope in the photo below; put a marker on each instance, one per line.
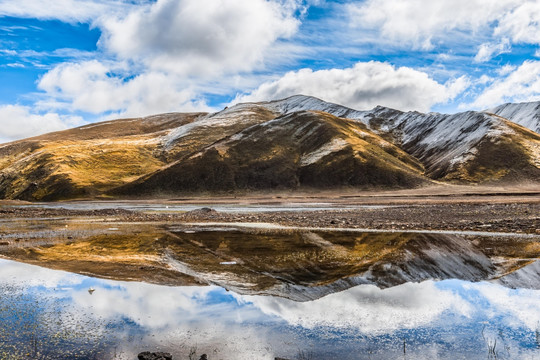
(210, 128)
(524, 114)
(443, 143)
(451, 147)
(302, 102)
(447, 145)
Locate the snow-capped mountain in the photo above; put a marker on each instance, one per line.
(297, 142)
(449, 146)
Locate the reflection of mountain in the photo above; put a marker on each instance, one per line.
(308, 265)
(296, 143)
(299, 265)
(525, 277)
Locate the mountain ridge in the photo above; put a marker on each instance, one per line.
(183, 152)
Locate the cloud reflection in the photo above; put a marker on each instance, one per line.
(232, 326)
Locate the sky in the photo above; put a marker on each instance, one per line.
(66, 63)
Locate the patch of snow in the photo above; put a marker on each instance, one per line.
(439, 140)
(362, 134)
(238, 114)
(333, 146)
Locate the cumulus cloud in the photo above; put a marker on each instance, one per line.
(521, 84)
(157, 56)
(422, 23)
(363, 86)
(15, 274)
(17, 122)
(200, 37)
(522, 306)
(90, 86)
(506, 69)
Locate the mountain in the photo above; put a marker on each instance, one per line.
(295, 264)
(293, 143)
(301, 149)
(464, 147)
(524, 114)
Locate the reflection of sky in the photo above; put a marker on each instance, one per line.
(172, 207)
(444, 320)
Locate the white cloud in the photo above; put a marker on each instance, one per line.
(506, 69)
(15, 273)
(89, 86)
(522, 306)
(162, 55)
(417, 22)
(368, 308)
(363, 86)
(522, 23)
(65, 10)
(489, 50)
(17, 122)
(521, 84)
(423, 23)
(16, 65)
(200, 37)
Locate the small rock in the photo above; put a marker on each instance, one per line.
(203, 357)
(147, 355)
(201, 211)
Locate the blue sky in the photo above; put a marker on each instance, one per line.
(70, 62)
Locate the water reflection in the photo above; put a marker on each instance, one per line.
(297, 264)
(173, 206)
(50, 314)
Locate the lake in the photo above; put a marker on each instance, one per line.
(87, 290)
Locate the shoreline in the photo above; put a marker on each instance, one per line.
(514, 214)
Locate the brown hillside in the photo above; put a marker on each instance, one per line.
(304, 149)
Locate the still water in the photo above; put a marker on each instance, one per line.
(106, 290)
(51, 314)
(182, 207)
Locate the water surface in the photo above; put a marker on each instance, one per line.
(109, 290)
(51, 315)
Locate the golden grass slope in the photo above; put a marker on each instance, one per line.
(84, 161)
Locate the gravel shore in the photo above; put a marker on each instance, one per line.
(512, 216)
